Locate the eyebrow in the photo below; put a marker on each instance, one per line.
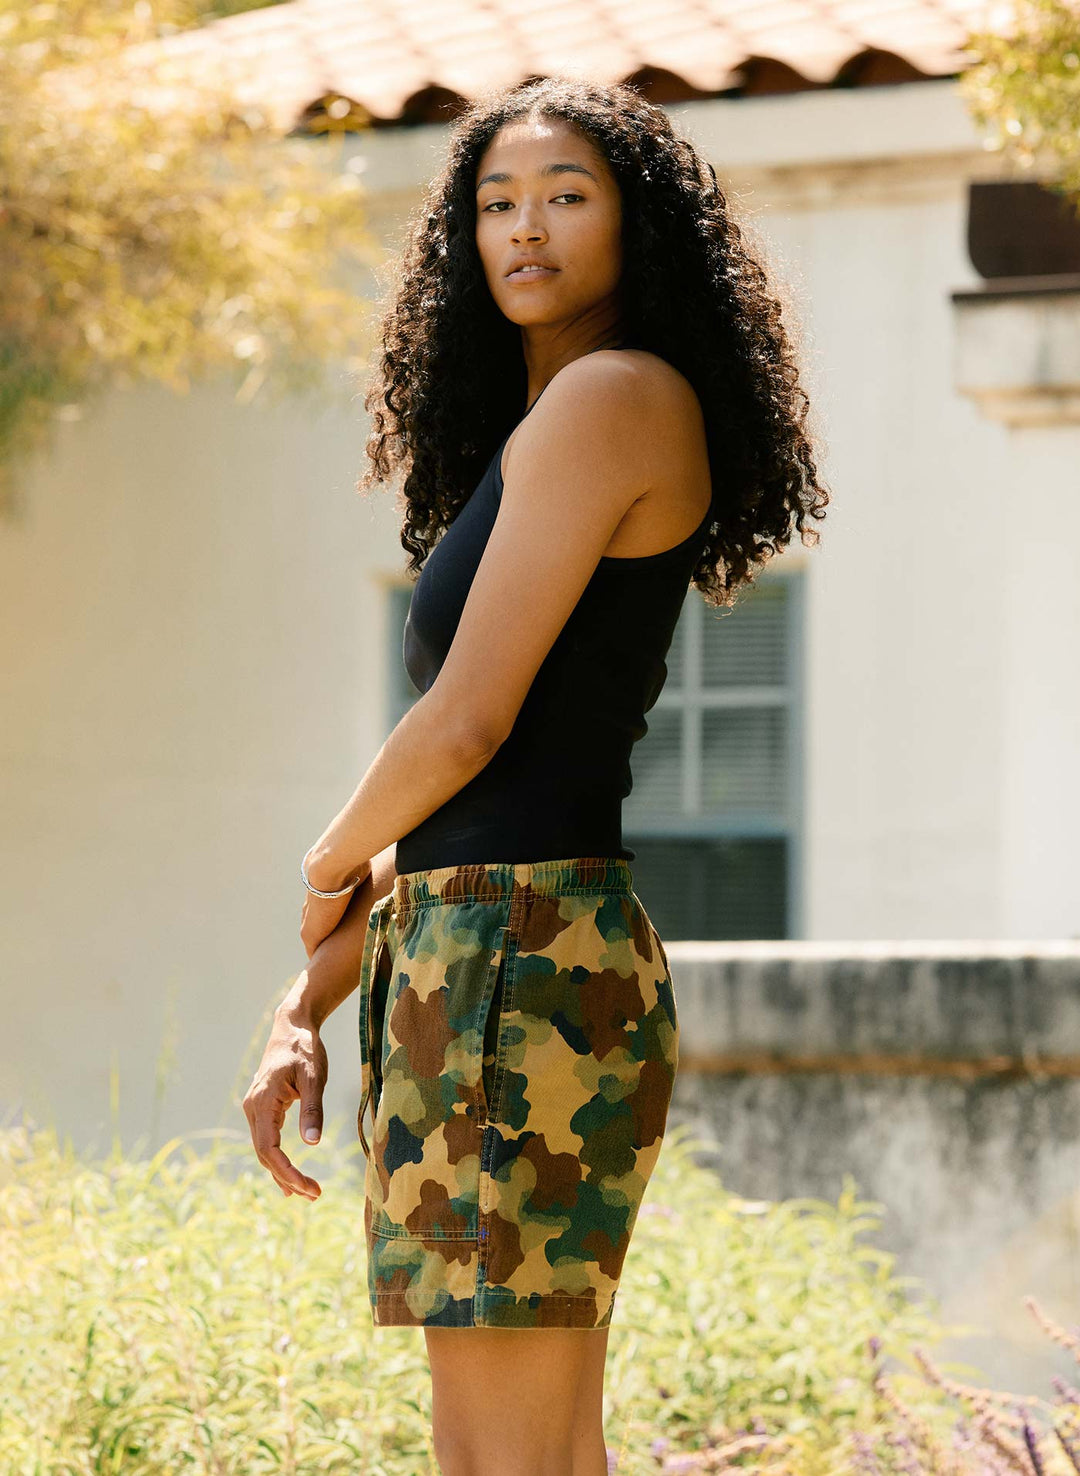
(502, 177)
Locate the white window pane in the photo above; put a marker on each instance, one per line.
(745, 759)
(656, 761)
(713, 888)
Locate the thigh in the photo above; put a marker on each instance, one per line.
(549, 1385)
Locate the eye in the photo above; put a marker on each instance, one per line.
(566, 195)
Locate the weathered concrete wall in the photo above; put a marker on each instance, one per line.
(944, 1077)
(196, 641)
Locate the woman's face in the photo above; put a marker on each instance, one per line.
(544, 193)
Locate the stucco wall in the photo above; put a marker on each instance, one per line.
(945, 1078)
(193, 667)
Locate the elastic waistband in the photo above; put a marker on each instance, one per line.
(479, 881)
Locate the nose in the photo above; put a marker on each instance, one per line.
(528, 230)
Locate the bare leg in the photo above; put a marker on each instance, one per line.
(518, 1401)
(590, 1449)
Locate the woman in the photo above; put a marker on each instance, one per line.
(588, 381)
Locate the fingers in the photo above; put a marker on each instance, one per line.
(312, 1082)
(265, 1113)
(287, 1174)
(311, 1117)
(319, 917)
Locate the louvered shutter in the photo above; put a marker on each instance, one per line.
(712, 815)
(712, 818)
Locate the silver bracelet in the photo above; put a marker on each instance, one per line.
(314, 890)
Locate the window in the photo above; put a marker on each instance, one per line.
(713, 816)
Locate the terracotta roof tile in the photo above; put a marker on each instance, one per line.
(383, 53)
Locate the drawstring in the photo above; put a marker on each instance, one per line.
(374, 942)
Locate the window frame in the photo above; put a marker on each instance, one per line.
(692, 698)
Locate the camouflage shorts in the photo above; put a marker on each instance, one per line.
(518, 1044)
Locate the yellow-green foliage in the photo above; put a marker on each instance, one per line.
(153, 227)
(179, 1314)
(1023, 85)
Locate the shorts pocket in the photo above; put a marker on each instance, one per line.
(374, 969)
(422, 1179)
(662, 950)
(663, 984)
(657, 941)
(492, 1052)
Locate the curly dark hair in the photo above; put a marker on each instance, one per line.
(452, 381)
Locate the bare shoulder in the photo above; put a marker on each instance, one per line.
(675, 412)
(627, 371)
(630, 400)
(631, 414)
(674, 462)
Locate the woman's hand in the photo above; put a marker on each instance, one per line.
(321, 915)
(294, 1065)
(293, 1068)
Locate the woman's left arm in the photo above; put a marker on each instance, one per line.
(580, 461)
(429, 756)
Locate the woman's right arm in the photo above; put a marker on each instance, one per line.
(294, 1066)
(333, 971)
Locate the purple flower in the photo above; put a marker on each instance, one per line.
(1068, 1447)
(865, 1460)
(1032, 1443)
(1066, 1393)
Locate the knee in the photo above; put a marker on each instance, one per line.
(453, 1451)
(462, 1452)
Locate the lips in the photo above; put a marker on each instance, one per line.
(531, 273)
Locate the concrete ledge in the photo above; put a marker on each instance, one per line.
(1017, 351)
(965, 1009)
(942, 1077)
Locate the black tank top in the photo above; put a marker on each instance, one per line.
(554, 788)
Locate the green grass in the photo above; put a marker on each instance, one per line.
(177, 1314)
